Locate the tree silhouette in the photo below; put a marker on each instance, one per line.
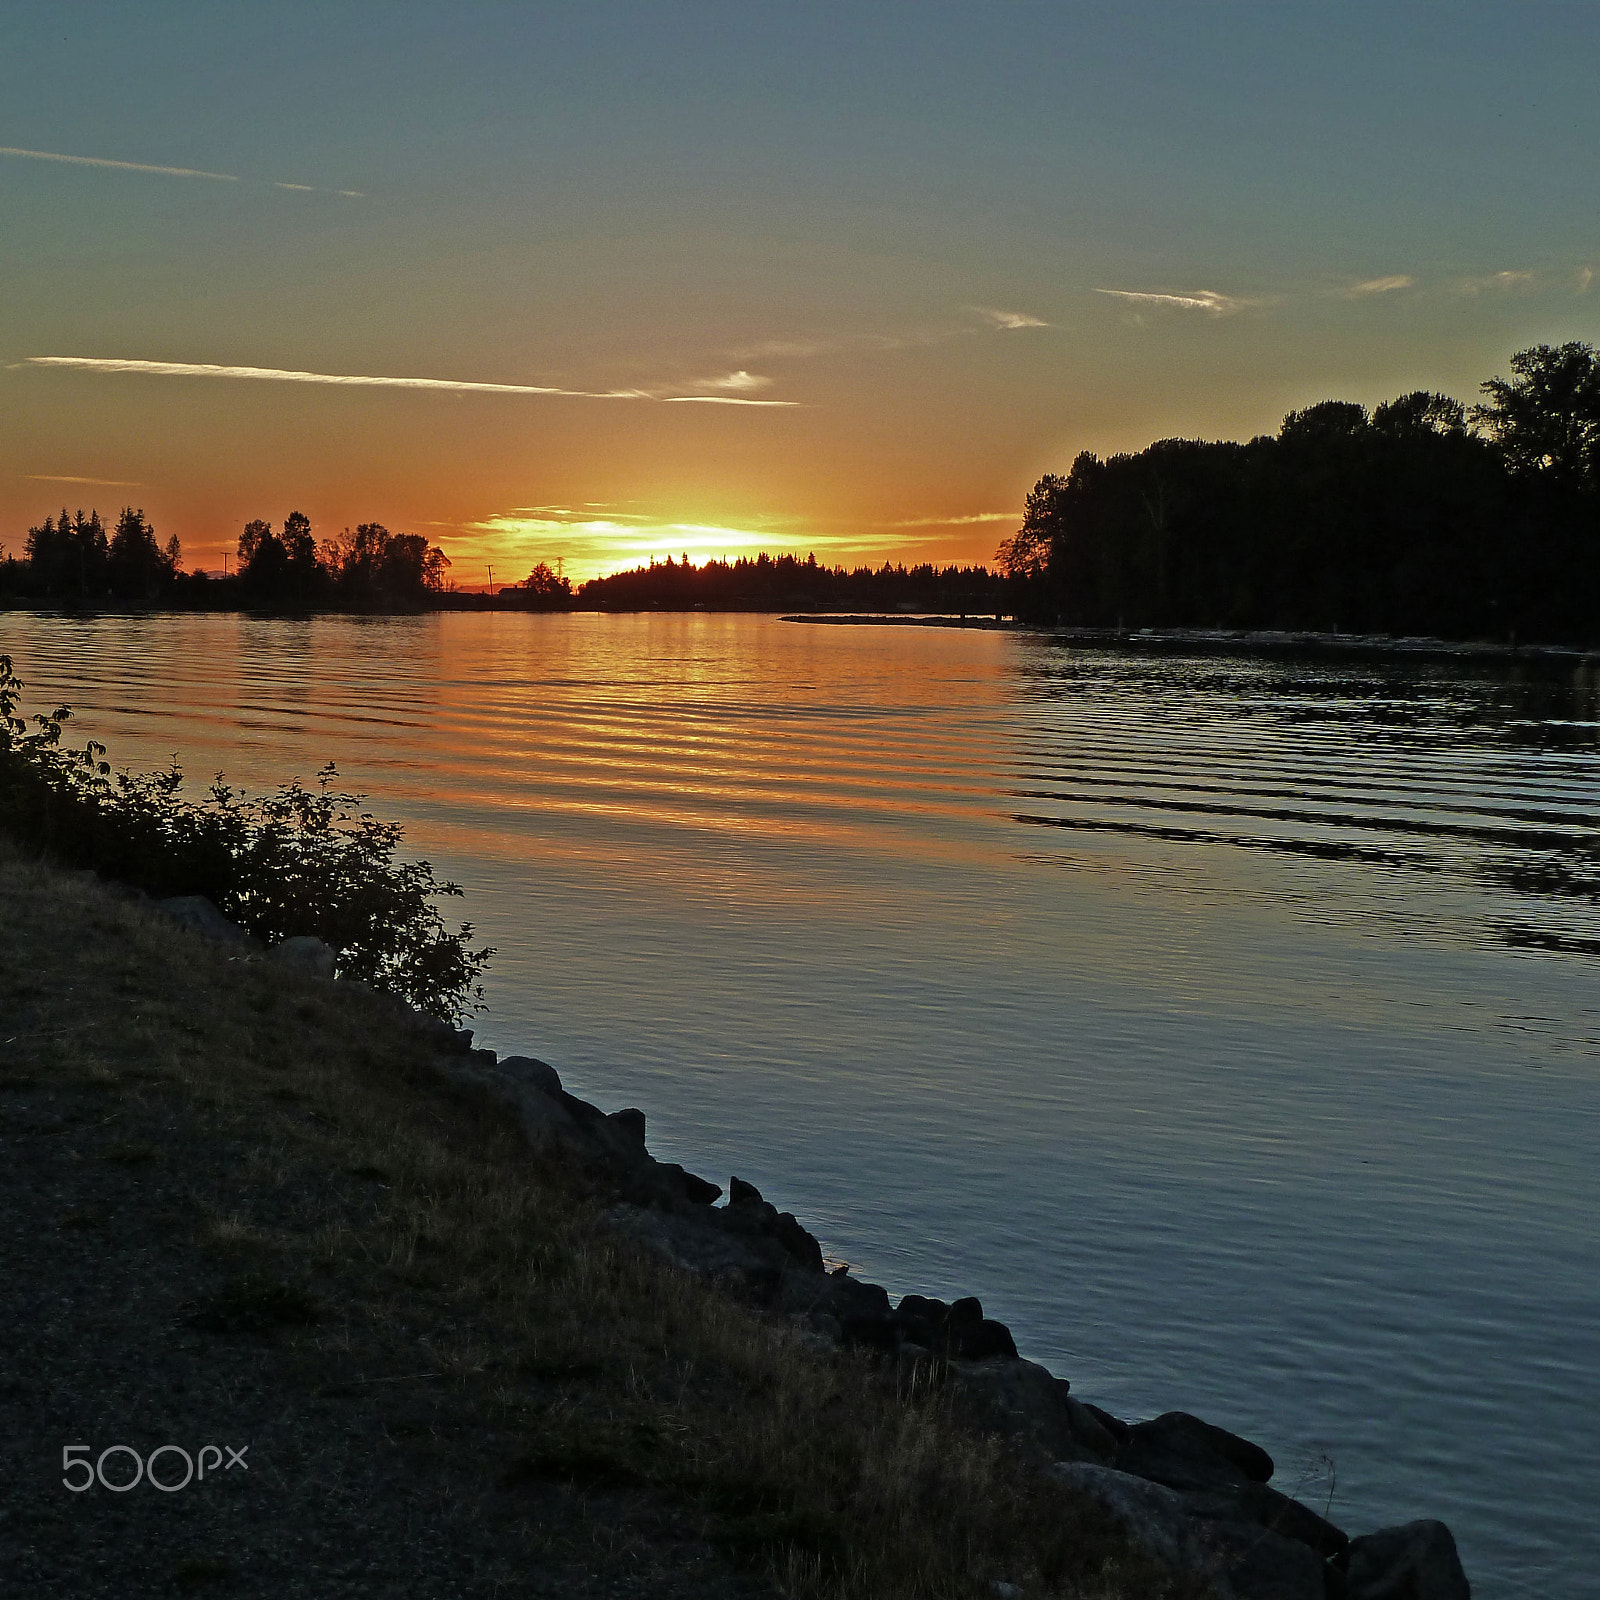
(137, 565)
(1404, 521)
(1546, 417)
(68, 556)
(545, 590)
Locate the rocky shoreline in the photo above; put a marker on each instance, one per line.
(1188, 1493)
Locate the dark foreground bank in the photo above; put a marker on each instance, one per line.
(472, 1339)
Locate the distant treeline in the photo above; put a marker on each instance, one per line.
(75, 556)
(790, 583)
(70, 560)
(1420, 517)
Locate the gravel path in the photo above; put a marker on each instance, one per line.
(160, 1286)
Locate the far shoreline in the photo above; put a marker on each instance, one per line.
(1230, 641)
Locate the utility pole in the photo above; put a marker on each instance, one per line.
(491, 582)
(224, 563)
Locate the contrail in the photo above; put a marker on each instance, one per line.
(166, 172)
(107, 483)
(200, 369)
(121, 166)
(1200, 300)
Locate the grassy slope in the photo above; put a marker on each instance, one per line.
(243, 1205)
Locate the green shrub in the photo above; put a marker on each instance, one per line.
(297, 861)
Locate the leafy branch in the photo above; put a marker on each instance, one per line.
(297, 861)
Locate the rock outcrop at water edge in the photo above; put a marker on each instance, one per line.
(1189, 1493)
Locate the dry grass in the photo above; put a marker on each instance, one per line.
(389, 1230)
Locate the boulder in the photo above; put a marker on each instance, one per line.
(198, 915)
(547, 1125)
(1087, 1428)
(835, 1293)
(1255, 1563)
(1023, 1402)
(1113, 1425)
(747, 1213)
(631, 1122)
(696, 1190)
(757, 1218)
(1414, 1561)
(1182, 1452)
(802, 1246)
(304, 953)
(1267, 1508)
(987, 1340)
(609, 1141)
(536, 1074)
(960, 1330)
(1240, 1559)
(1152, 1517)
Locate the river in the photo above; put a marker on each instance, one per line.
(1229, 1024)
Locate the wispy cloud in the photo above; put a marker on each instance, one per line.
(104, 483)
(734, 380)
(1007, 319)
(706, 400)
(1584, 279)
(163, 172)
(954, 522)
(1492, 282)
(311, 188)
(1388, 285)
(1207, 300)
(201, 369)
(120, 166)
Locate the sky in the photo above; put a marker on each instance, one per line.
(594, 283)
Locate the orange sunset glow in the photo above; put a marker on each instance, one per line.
(794, 290)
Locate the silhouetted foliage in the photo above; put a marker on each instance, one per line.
(138, 567)
(369, 568)
(298, 861)
(373, 567)
(788, 583)
(1546, 417)
(543, 590)
(1405, 521)
(68, 556)
(282, 570)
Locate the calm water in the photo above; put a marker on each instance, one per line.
(1230, 1026)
